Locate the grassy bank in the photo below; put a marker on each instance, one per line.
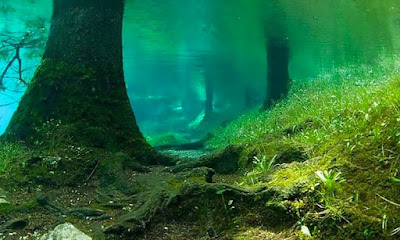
(335, 141)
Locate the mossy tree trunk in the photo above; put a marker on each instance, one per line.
(80, 81)
(278, 79)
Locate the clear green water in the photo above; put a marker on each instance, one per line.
(171, 47)
(267, 119)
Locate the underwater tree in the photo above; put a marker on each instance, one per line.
(278, 72)
(209, 103)
(276, 34)
(80, 82)
(207, 65)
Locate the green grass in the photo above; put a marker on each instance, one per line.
(262, 166)
(341, 102)
(331, 181)
(346, 121)
(10, 152)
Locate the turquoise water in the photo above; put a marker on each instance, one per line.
(199, 119)
(171, 47)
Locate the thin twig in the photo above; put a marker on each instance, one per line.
(8, 104)
(6, 70)
(93, 171)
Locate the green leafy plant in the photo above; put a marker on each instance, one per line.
(261, 167)
(230, 202)
(368, 233)
(262, 164)
(395, 180)
(330, 180)
(384, 222)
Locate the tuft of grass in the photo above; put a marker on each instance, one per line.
(9, 152)
(331, 181)
(262, 166)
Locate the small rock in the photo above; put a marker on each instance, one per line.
(65, 231)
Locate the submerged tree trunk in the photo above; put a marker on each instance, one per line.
(209, 103)
(80, 81)
(278, 79)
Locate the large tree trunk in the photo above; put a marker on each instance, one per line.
(80, 82)
(278, 73)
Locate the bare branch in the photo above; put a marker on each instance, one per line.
(5, 72)
(14, 90)
(8, 104)
(12, 43)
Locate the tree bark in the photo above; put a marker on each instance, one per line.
(80, 81)
(278, 79)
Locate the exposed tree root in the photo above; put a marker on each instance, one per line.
(79, 212)
(215, 206)
(224, 162)
(136, 198)
(197, 145)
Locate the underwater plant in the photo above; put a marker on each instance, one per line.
(261, 167)
(10, 151)
(262, 164)
(330, 180)
(224, 203)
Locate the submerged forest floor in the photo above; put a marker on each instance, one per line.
(322, 164)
